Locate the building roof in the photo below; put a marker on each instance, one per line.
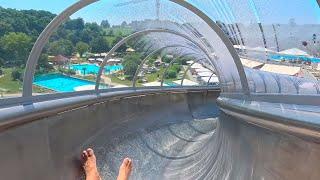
(281, 69)
(294, 51)
(205, 74)
(187, 82)
(60, 58)
(250, 63)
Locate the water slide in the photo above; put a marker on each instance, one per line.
(172, 134)
(255, 125)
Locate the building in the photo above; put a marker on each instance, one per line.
(60, 60)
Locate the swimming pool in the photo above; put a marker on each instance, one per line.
(292, 58)
(60, 82)
(84, 69)
(171, 84)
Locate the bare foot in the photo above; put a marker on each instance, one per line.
(125, 169)
(90, 165)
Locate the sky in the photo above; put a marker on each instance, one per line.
(268, 11)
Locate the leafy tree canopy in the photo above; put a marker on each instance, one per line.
(82, 48)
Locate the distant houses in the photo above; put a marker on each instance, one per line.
(60, 60)
(99, 58)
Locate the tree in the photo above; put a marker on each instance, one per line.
(82, 48)
(63, 47)
(166, 59)
(1, 62)
(305, 43)
(131, 63)
(110, 32)
(16, 75)
(74, 24)
(124, 24)
(105, 24)
(171, 74)
(43, 64)
(99, 45)
(16, 47)
(123, 47)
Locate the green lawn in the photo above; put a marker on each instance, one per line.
(115, 79)
(9, 86)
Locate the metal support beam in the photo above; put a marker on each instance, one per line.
(225, 40)
(45, 35)
(173, 61)
(147, 57)
(144, 32)
(188, 68)
(43, 39)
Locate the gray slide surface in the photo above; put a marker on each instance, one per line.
(169, 135)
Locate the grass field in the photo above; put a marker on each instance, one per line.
(9, 86)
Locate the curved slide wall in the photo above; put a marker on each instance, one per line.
(172, 134)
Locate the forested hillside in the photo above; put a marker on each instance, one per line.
(19, 30)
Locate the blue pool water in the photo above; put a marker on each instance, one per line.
(292, 58)
(94, 69)
(60, 82)
(171, 84)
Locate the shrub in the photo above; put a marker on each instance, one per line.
(67, 71)
(171, 74)
(1, 72)
(16, 75)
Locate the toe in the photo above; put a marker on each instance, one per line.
(130, 163)
(126, 161)
(84, 154)
(90, 152)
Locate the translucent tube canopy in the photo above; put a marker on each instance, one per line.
(251, 48)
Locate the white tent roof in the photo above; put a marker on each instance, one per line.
(130, 50)
(205, 74)
(186, 82)
(155, 83)
(196, 66)
(212, 80)
(190, 62)
(294, 51)
(114, 60)
(202, 69)
(288, 70)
